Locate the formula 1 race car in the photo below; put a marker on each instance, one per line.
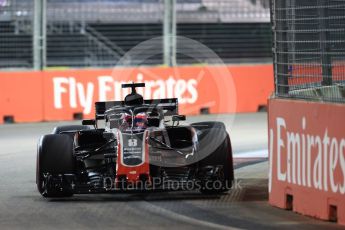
(142, 146)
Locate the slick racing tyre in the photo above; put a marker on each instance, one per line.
(54, 160)
(208, 125)
(69, 129)
(221, 160)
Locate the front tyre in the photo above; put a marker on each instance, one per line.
(54, 160)
(221, 162)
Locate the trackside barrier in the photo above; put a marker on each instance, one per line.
(307, 158)
(21, 96)
(68, 94)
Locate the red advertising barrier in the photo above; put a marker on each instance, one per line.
(312, 73)
(307, 158)
(21, 96)
(59, 95)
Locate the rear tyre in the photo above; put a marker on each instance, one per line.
(221, 156)
(54, 158)
(208, 125)
(69, 129)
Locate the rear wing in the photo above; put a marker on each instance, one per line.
(169, 106)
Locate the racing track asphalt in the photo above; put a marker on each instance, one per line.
(21, 206)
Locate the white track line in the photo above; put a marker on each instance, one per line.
(190, 220)
(252, 154)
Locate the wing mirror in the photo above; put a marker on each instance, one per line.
(178, 118)
(89, 122)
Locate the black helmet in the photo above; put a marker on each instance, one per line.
(133, 98)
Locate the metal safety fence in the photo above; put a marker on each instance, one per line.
(16, 29)
(98, 33)
(309, 49)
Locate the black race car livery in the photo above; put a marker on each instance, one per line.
(142, 146)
